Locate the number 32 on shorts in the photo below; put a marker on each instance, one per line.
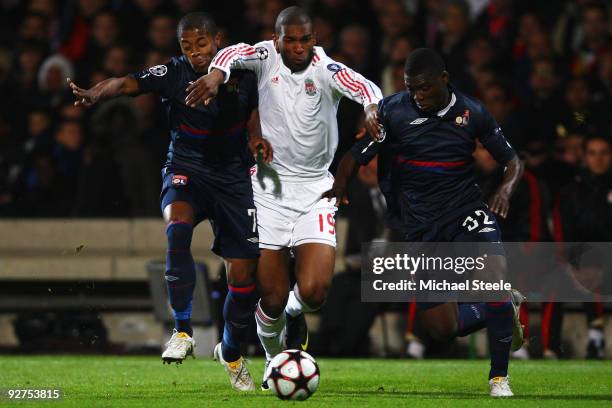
(471, 223)
(331, 223)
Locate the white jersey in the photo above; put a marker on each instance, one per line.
(298, 110)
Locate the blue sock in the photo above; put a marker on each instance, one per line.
(499, 332)
(472, 317)
(180, 274)
(238, 311)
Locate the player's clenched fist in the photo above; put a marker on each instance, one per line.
(259, 144)
(204, 88)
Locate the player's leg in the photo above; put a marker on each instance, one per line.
(275, 220)
(273, 286)
(314, 239)
(237, 313)
(180, 278)
(314, 268)
(439, 319)
(504, 330)
(234, 220)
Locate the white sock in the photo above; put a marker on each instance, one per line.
(270, 332)
(295, 305)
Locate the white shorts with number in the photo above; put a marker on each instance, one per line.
(298, 217)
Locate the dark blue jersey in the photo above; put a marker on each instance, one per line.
(210, 140)
(425, 165)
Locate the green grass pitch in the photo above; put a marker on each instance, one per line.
(118, 381)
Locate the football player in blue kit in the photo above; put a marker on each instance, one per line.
(206, 176)
(424, 146)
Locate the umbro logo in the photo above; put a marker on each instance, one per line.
(254, 240)
(486, 229)
(171, 278)
(418, 121)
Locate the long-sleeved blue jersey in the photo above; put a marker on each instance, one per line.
(207, 140)
(425, 165)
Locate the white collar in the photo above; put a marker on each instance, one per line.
(450, 104)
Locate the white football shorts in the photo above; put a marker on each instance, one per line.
(298, 217)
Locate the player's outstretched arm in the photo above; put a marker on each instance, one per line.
(346, 172)
(109, 88)
(500, 202)
(356, 87)
(238, 56)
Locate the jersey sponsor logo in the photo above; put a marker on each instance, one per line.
(334, 67)
(179, 180)
(464, 119)
(418, 121)
(159, 70)
(262, 53)
(309, 87)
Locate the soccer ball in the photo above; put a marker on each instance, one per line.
(293, 375)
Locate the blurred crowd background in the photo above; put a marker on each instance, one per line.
(542, 68)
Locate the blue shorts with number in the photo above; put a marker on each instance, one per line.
(228, 206)
(471, 223)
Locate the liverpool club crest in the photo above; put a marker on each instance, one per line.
(309, 87)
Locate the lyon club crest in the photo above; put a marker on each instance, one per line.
(464, 119)
(309, 87)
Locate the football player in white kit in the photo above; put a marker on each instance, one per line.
(299, 91)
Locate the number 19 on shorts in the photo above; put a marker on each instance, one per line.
(327, 222)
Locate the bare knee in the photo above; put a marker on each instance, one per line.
(313, 293)
(273, 302)
(240, 271)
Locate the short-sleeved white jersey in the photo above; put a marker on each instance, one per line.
(298, 110)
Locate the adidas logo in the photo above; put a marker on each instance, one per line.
(487, 229)
(418, 121)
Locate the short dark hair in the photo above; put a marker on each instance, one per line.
(291, 16)
(424, 61)
(197, 20)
